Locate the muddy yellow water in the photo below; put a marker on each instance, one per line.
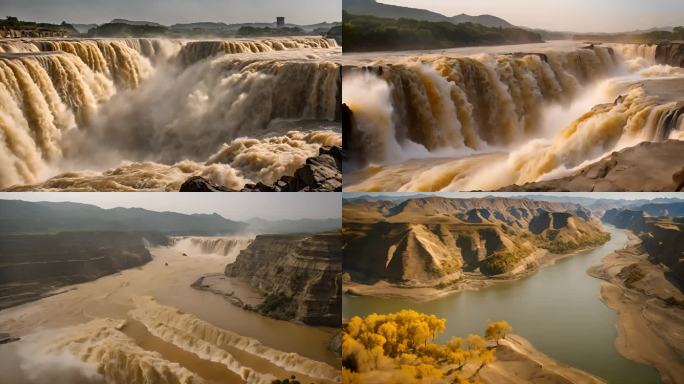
(167, 279)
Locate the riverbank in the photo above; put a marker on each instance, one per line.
(468, 281)
(518, 362)
(650, 330)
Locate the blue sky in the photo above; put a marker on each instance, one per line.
(234, 206)
(173, 11)
(565, 15)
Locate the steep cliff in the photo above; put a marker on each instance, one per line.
(431, 240)
(33, 265)
(662, 237)
(670, 53)
(300, 276)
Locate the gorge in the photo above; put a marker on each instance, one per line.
(426, 253)
(91, 295)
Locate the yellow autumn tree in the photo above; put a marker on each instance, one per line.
(401, 348)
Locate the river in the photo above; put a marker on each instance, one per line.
(558, 309)
(167, 278)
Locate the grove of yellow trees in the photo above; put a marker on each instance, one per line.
(400, 348)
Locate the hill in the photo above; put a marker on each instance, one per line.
(46, 217)
(134, 22)
(427, 241)
(371, 33)
(373, 8)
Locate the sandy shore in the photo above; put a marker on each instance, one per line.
(468, 281)
(649, 331)
(518, 362)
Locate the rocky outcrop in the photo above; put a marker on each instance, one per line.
(299, 275)
(661, 237)
(200, 184)
(322, 173)
(670, 53)
(647, 167)
(32, 266)
(433, 241)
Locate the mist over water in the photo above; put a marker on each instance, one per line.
(445, 121)
(143, 107)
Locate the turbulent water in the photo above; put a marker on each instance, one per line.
(154, 112)
(484, 121)
(148, 325)
(228, 247)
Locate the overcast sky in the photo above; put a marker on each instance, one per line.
(173, 11)
(592, 195)
(565, 15)
(233, 206)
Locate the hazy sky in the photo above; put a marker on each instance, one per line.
(565, 15)
(593, 195)
(234, 206)
(173, 11)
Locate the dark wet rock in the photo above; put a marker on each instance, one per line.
(670, 53)
(322, 173)
(335, 344)
(6, 338)
(200, 184)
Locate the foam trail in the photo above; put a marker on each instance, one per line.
(99, 349)
(190, 333)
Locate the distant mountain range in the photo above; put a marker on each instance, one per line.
(211, 26)
(373, 8)
(22, 217)
(293, 226)
(45, 217)
(134, 22)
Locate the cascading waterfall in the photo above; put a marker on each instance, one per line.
(64, 100)
(43, 96)
(451, 107)
(481, 100)
(195, 51)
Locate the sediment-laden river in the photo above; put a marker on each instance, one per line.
(558, 309)
(177, 330)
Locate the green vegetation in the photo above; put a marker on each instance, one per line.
(370, 33)
(631, 274)
(268, 31)
(37, 29)
(503, 261)
(647, 37)
(127, 30)
(560, 246)
(277, 305)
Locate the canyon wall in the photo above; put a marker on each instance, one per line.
(662, 236)
(300, 276)
(32, 265)
(435, 240)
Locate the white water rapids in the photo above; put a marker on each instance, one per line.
(146, 114)
(467, 121)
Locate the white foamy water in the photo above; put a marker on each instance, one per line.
(102, 108)
(147, 325)
(545, 111)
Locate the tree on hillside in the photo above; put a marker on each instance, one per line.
(402, 347)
